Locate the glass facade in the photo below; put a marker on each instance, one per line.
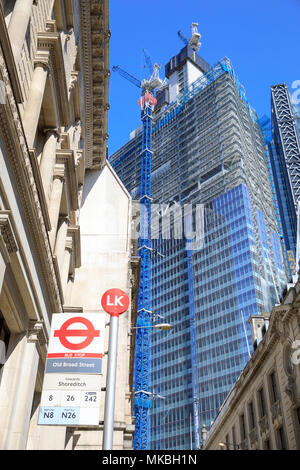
(225, 294)
(208, 152)
(284, 153)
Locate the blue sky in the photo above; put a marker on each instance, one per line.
(261, 37)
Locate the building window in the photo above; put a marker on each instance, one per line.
(266, 445)
(262, 405)
(298, 422)
(273, 387)
(4, 339)
(251, 415)
(233, 437)
(298, 414)
(287, 362)
(242, 427)
(281, 439)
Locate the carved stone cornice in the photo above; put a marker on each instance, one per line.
(51, 26)
(36, 333)
(59, 172)
(66, 157)
(73, 233)
(69, 33)
(95, 53)
(74, 80)
(264, 427)
(50, 42)
(14, 142)
(253, 437)
(42, 63)
(7, 233)
(291, 390)
(80, 165)
(69, 244)
(276, 414)
(52, 131)
(278, 324)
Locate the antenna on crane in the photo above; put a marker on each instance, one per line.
(154, 81)
(194, 41)
(150, 84)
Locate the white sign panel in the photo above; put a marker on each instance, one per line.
(76, 343)
(72, 381)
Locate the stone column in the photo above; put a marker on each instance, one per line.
(60, 243)
(48, 160)
(9, 384)
(54, 205)
(34, 103)
(22, 368)
(18, 26)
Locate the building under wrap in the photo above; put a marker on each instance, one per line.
(208, 160)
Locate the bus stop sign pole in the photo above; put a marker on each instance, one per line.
(115, 302)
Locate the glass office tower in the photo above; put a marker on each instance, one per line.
(208, 159)
(283, 150)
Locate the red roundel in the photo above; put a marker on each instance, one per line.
(89, 333)
(115, 302)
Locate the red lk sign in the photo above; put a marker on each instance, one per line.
(115, 302)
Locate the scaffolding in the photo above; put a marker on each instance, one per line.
(197, 86)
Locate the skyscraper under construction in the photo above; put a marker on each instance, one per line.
(208, 153)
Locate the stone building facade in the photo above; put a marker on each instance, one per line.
(54, 74)
(262, 411)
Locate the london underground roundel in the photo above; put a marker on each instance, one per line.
(87, 333)
(115, 301)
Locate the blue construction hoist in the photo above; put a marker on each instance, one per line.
(143, 400)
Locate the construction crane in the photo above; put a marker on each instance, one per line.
(143, 396)
(148, 61)
(194, 41)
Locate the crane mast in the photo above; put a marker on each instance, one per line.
(143, 402)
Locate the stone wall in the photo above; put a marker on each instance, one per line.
(53, 69)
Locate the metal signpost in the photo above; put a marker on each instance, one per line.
(115, 302)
